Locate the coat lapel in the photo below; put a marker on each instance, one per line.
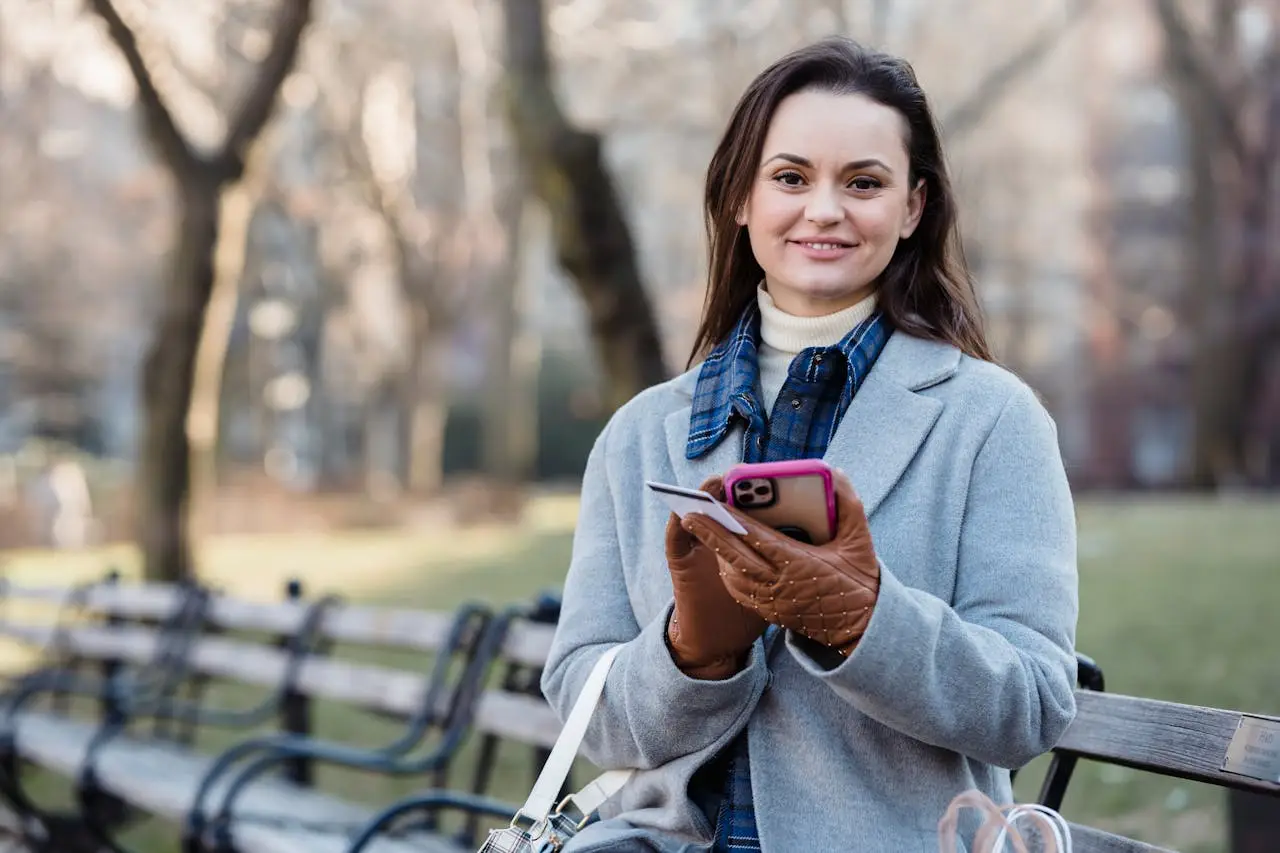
(887, 420)
(692, 472)
(881, 432)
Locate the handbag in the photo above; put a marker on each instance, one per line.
(541, 825)
(1000, 827)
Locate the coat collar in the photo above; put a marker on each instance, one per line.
(914, 363)
(885, 424)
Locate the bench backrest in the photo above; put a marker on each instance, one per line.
(388, 690)
(386, 627)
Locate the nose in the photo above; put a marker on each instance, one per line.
(824, 206)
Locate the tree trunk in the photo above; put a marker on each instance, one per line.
(592, 238)
(428, 404)
(1210, 308)
(237, 205)
(511, 393)
(168, 371)
(382, 443)
(164, 469)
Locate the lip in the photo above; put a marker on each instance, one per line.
(831, 249)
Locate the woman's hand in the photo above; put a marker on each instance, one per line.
(709, 633)
(825, 592)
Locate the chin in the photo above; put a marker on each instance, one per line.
(820, 291)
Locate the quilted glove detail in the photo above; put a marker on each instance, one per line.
(709, 633)
(824, 592)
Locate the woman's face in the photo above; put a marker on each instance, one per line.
(830, 200)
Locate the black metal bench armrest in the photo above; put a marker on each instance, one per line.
(436, 800)
(390, 758)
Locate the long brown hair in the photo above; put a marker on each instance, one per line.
(926, 290)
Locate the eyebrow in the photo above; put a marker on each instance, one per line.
(868, 163)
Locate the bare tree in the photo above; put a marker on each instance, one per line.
(422, 229)
(200, 180)
(493, 213)
(1229, 91)
(593, 240)
(999, 80)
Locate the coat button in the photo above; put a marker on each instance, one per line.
(795, 402)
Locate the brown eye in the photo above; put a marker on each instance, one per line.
(865, 184)
(790, 179)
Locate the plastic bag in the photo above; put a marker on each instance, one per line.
(1000, 829)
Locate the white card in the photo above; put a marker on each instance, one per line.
(685, 501)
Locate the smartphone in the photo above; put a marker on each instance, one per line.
(796, 497)
(684, 501)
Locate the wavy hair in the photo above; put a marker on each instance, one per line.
(926, 290)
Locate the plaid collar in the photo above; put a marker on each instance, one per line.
(727, 383)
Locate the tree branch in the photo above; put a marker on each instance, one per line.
(415, 237)
(973, 108)
(1225, 14)
(526, 41)
(256, 108)
(1197, 77)
(569, 174)
(161, 128)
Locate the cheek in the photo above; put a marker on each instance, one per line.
(768, 215)
(880, 222)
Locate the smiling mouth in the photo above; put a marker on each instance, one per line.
(823, 245)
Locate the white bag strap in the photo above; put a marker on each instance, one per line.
(599, 789)
(542, 799)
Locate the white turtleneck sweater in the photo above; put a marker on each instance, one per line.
(783, 336)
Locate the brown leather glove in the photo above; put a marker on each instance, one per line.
(709, 633)
(825, 592)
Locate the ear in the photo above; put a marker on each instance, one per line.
(741, 216)
(915, 208)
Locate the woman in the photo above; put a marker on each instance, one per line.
(840, 323)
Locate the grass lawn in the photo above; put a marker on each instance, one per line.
(1179, 599)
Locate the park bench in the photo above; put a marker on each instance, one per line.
(1227, 749)
(156, 641)
(1159, 737)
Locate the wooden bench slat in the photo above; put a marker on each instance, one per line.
(522, 718)
(365, 685)
(1186, 741)
(528, 643)
(498, 712)
(423, 630)
(163, 778)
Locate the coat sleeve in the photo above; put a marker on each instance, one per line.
(650, 713)
(992, 675)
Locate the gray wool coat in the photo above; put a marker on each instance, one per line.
(966, 668)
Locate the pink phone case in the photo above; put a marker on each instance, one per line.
(793, 496)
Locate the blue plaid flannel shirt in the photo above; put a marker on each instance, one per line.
(820, 384)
